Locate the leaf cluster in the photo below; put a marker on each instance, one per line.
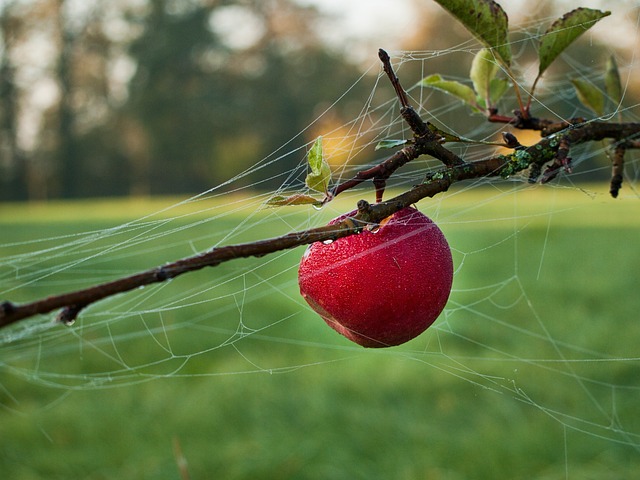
(488, 22)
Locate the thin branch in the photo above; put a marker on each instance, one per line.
(393, 78)
(379, 173)
(426, 141)
(524, 110)
(545, 126)
(181, 460)
(72, 303)
(426, 137)
(617, 170)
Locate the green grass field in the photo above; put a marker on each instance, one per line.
(533, 371)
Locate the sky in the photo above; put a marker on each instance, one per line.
(384, 23)
(368, 23)
(364, 17)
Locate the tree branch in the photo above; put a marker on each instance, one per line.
(426, 141)
(543, 125)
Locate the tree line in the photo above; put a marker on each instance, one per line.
(151, 97)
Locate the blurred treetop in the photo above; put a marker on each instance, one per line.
(155, 96)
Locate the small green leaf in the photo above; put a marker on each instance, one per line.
(498, 88)
(457, 89)
(296, 199)
(484, 68)
(612, 82)
(320, 176)
(487, 21)
(589, 95)
(390, 144)
(564, 31)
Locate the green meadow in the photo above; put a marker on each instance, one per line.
(532, 371)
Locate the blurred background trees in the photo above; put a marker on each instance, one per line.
(117, 97)
(144, 97)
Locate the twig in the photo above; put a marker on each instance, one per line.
(72, 303)
(617, 170)
(552, 150)
(379, 173)
(425, 142)
(545, 126)
(561, 160)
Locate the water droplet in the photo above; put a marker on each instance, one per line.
(327, 242)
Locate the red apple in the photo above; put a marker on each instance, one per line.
(383, 286)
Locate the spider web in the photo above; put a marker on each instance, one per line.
(539, 335)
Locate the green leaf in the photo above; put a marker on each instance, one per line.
(498, 88)
(589, 95)
(484, 68)
(296, 199)
(390, 144)
(457, 89)
(487, 21)
(564, 31)
(449, 137)
(320, 176)
(445, 136)
(612, 83)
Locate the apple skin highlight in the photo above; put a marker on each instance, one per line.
(381, 287)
